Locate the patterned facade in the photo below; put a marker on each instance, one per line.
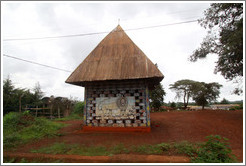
(117, 106)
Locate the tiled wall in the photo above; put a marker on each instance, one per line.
(136, 113)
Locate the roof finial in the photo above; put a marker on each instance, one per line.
(118, 21)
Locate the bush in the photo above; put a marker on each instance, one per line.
(215, 150)
(173, 105)
(11, 121)
(19, 128)
(185, 148)
(78, 108)
(237, 107)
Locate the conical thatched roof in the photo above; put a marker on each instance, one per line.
(116, 57)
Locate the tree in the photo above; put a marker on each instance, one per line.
(173, 105)
(156, 96)
(8, 92)
(224, 38)
(205, 93)
(15, 98)
(183, 88)
(38, 94)
(224, 101)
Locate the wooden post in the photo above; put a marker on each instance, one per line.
(20, 104)
(36, 111)
(59, 112)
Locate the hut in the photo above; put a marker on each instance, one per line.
(117, 77)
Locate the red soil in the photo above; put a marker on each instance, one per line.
(175, 126)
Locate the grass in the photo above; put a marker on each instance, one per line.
(22, 128)
(186, 147)
(215, 150)
(24, 160)
(62, 148)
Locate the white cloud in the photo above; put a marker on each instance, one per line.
(168, 46)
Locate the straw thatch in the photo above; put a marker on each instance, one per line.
(116, 57)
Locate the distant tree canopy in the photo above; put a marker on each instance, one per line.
(205, 93)
(224, 101)
(202, 93)
(12, 96)
(183, 88)
(224, 38)
(157, 96)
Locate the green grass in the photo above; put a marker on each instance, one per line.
(62, 148)
(186, 147)
(147, 149)
(215, 150)
(37, 160)
(21, 128)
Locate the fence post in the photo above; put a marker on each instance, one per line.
(59, 112)
(36, 111)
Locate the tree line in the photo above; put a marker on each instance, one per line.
(14, 98)
(19, 99)
(200, 92)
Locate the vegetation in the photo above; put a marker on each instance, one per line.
(173, 105)
(36, 160)
(202, 93)
(78, 108)
(216, 149)
(240, 107)
(20, 128)
(224, 38)
(157, 97)
(77, 112)
(13, 97)
(183, 88)
(224, 101)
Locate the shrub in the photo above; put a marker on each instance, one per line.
(173, 105)
(78, 108)
(185, 148)
(237, 107)
(10, 122)
(19, 128)
(215, 150)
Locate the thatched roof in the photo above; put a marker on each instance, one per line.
(116, 57)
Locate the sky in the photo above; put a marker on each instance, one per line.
(167, 45)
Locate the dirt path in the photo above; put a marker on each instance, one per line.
(192, 126)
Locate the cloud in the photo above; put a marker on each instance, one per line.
(168, 46)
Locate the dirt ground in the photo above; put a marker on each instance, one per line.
(174, 126)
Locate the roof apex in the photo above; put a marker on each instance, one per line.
(116, 57)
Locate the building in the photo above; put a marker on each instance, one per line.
(223, 106)
(117, 77)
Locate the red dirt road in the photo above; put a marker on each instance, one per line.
(175, 126)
